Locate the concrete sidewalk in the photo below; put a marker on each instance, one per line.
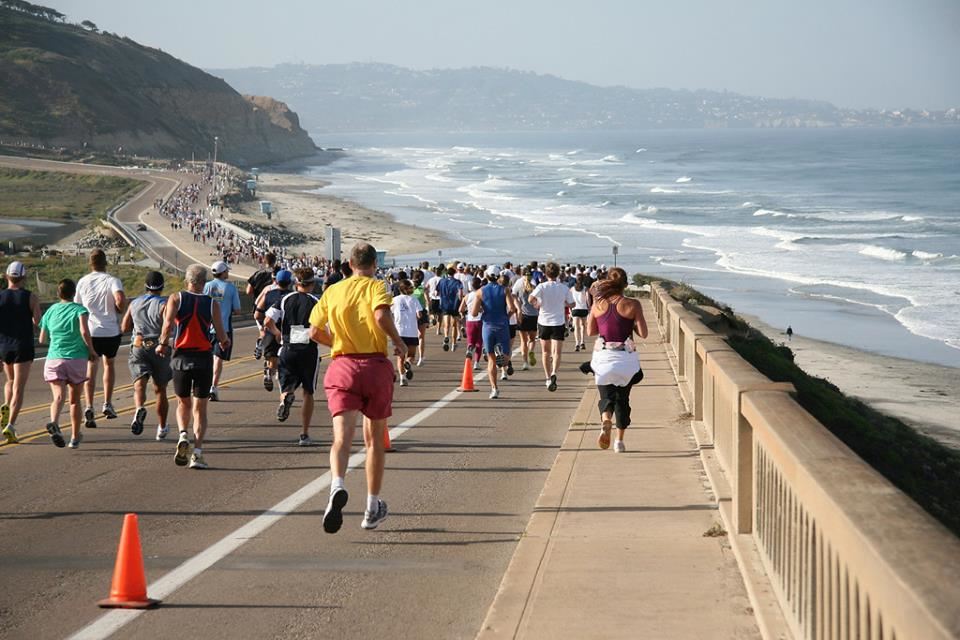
(615, 547)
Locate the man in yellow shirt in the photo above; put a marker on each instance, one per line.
(353, 318)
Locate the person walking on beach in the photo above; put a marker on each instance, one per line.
(552, 298)
(226, 295)
(359, 380)
(789, 333)
(102, 294)
(494, 305)
(64, 326)
(450, 290)
(522, 289)
(188, 317)
(144, 317)
(615, 318)
(288, 321)
(406, 310)
(19, 314)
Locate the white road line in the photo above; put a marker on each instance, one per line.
(109, 623)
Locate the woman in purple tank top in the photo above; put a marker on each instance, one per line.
(614, 319)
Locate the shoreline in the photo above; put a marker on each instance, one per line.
(300, 206)
(923, 395)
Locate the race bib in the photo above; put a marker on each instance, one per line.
(299, 334)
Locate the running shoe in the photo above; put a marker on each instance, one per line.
(283, 410)
(476, 365)
(305, 441)
(603, 440)
(403, 382)
(75, 442)
(89, 422)
(619, 447)
(552, 383)
(446, 343)
(453, 347)
(4, 416)
(372, 519)
(162, 432)
(182, 456)
(214, 396)
(577, 347)
(10, 434)
(586, 368)
(54, 430)
(503, 374)
(498, 356)
(136, 427)
(524, 366)
(267, 380)
(509, 368)
(333, 516)
(197, 462)
(420, 362)
(109, 411)
(258, 350)
(532, 359)
(494, 393)
(408, 370)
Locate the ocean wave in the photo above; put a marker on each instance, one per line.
(648, 209)
(748, 204)
(662, 190)
(923, 255)
(882, 253)
(571, 182)
(561, 193)
(611, 158)
(640, 150)
(606, 203)
(436, 177)
(775, 214)
(911, 218)
(573, 153)
(683, 179)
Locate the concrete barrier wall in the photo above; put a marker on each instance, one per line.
(848, 554)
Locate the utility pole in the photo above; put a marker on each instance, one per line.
(216, 141)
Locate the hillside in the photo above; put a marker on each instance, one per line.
(65, 85)
(380, 97)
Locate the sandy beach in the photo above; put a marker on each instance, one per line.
(298, 208)
(926, 396)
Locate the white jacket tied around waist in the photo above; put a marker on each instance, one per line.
(614, 363)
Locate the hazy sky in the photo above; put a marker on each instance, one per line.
(854, 53)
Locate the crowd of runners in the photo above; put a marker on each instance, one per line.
(376, 323)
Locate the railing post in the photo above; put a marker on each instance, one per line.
(743, 477)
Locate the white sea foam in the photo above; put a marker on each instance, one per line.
(571, 182)
(747, 205)
(476, 167)
(923, 255)
(775, 214)
(683, 179)
(648, 209)
(882, 253)
(611, 158)
(606, 203)
(911, 218)
(573, 153)
(436, 177)
(561, 193)
(662, 190)
(640, 150)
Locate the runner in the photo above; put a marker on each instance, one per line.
(450, 290)
(529, 313)
(581, 308)
(271, 348)
(259, 281)
(188, 317)
(495, 306)
(288, 321)
(430, 288)
(360, 378)
(406, 310)
(423, 318)
(226, 294)
(473, 324)
(552, 298)
(615, 318)
(506, 281)
(144, 317)
(102, 295)
(19, 314)
(64, 326)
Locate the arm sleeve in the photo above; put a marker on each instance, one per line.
(236, 299)
(318, 316)
(380, 297)
(116, 285)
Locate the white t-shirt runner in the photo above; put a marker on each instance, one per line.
(553, 297)
(95, 292)
(405, 309)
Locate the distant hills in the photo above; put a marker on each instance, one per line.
(65, 85)
(381, 97)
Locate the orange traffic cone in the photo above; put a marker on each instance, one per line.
(387, 445)
(466, 382)
(129, 587)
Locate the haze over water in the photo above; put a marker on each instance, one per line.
(851, 236)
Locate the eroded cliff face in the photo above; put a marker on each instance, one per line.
(65, 86)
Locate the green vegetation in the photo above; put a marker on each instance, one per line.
(918, 465)
(60, 196)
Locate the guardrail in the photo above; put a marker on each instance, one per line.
(849, 556)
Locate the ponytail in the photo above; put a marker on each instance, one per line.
(614, 284)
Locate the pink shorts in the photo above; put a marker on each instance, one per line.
(71, 371)
(475, 334)
(363, 384)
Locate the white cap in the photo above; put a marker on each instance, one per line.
(460, 265)
(16, 269)
(219, 267)
(493, 270)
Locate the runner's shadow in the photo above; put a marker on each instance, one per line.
(244, 606)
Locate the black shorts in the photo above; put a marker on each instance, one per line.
(423, 318)
(192, 375)
(17, 356)
(411, 342)
(551, 333)
(528, 323)
(106, 347)
(271, 348)
(223, 354)
(513, 331)
(298, 368)
(455, 314)
(579, 313)
(435, 307)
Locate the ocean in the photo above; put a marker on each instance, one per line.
(847, 235)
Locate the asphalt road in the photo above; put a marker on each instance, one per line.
(461, 488)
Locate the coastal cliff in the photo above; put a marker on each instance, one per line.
(68, 86)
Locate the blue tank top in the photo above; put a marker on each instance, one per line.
(16, 319)
(494, 300)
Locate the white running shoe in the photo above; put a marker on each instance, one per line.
(419, 362)
(305, 441)
(162, 432)
(403, 381)
(371, 519)
(619, 447)
(197, 462)
(494, 393)
(524, 367)
(333, 516)
(503, 374)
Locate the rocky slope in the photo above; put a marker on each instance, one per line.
(64, 85)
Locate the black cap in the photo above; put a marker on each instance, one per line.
(154, 281)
